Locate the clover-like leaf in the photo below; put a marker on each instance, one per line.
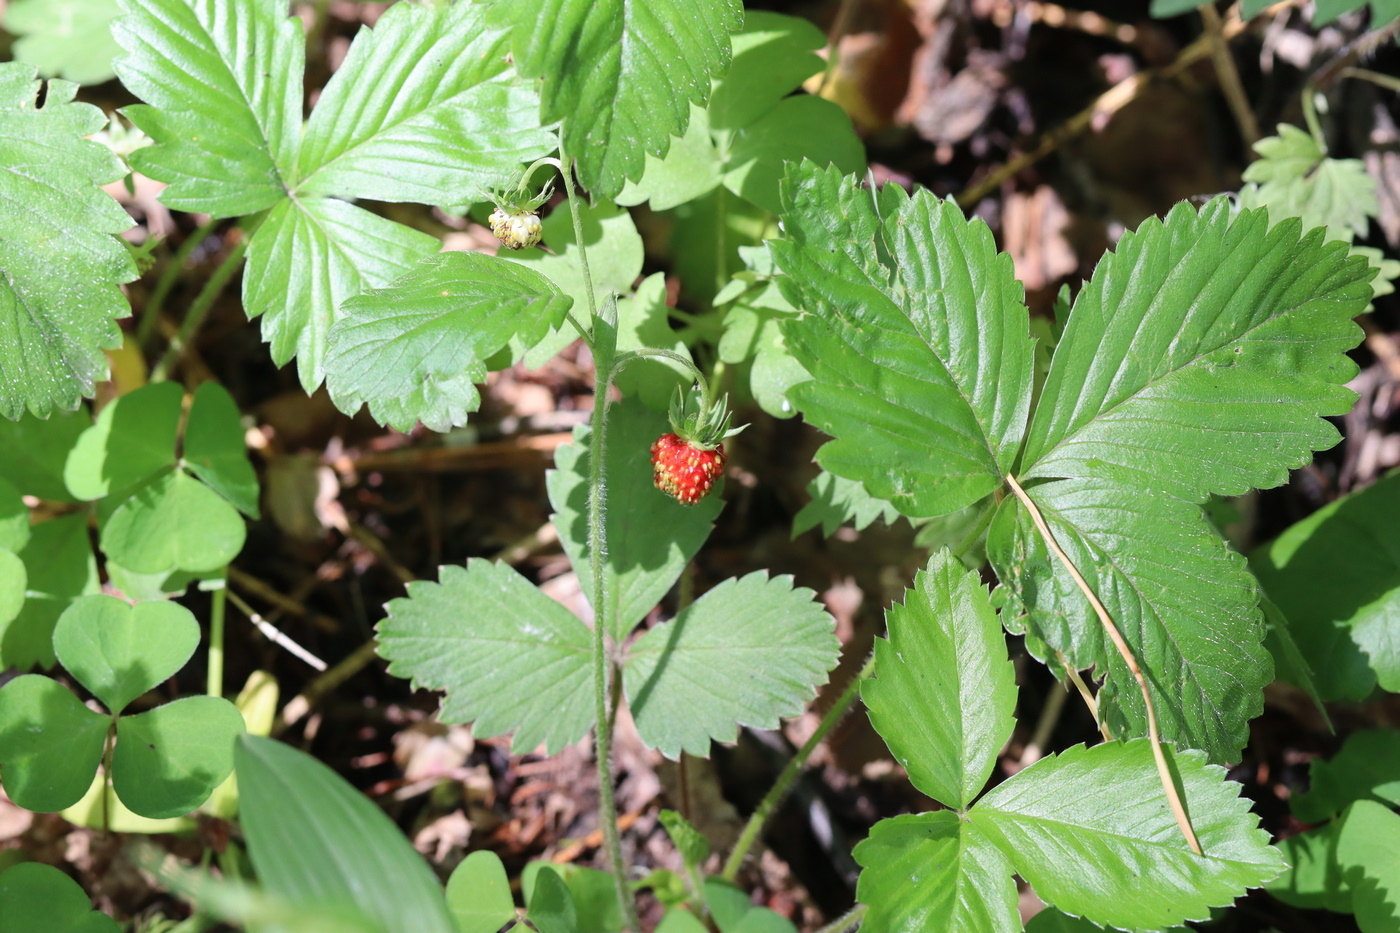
(1182, 600)
(1100, 812)
(1314, 879)
(620, 74)
(508, 656)
(50, 743)
(59, 566)
(13, 581)
(215, 450)
(424, 108)
(748, 652)
(39, 898)
(59, 294)
(413, 350)
(168, 760)
(934, 871)
(131, 442)
(1201, 356)
(174, 522)
(944, 694)
(478, 893)
(593, 893)
(915, 335)
(120, 651)
(222, 87)
(1370, 864)
(650, 538)
(36, 450)
(309, 256)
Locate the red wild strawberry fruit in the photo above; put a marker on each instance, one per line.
(685, 470)
(686, 462)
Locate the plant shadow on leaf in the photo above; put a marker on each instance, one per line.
(676, 627)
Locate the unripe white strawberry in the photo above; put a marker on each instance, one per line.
(516, 229)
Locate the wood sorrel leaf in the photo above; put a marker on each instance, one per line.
(508, 656)
(59, 294)
(168, 760)
(174, 522)
(132, 441)
(60, 566)
(215, 450)
(478, 894)
(50, 743)
(748, 652)
(39, 898)
(915, 335)
(944, 694)
(620, 74)
(413, 350)
(119, 651)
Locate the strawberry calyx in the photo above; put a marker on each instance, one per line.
(705, 426)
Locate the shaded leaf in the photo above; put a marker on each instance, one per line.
(168, 760)
(1370, 864)
(748, 652)
(1366, 768)
(50, 743)
(215, 450)
(39, 898)
(131, 442)
(36, 450)
(59, 564)
(836, 501)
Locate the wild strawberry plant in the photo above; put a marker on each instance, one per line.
(1199, 359)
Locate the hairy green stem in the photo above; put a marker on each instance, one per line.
(847, 921)
(168, 277)
(604, 349)
(783, 784)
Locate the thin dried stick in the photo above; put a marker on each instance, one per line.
(1089, 699)
(1163, 771)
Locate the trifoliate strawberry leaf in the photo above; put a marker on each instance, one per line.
(424, 108)
(1200, 357)
(836, 501)
(1183, 601)
(60, 566)
(306, 259)
(1366, 768)
(412, 351)
(508, 656)
(1370, 864)
(50, 743)
(915, 335)
(61, 264)
(650, 538)
(168, 760)
(1333, 578)
(222, 87)
(934, 871)
(119, 651)
(1090, 829)
(748, 652)
(944, 694)
(69, 39)
(620, 74)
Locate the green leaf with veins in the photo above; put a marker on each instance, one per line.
(614, 260)
(944, 694)
(310, 256)
(642, 322)
(752, 127)
(748, 652)
(222, 90)
(69, 39)
(836, 501)
(424, 108)
(620, 74)
(1201, 357)
(508, 656)
(935, 871)
(413, 350)
(60, 266)
(916, 337)
(650, 536)
(1101, 811)
(1182, 600)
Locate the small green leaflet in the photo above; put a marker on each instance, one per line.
(413, 350)
(229, 141)
(620, 74)
(508, 656)
(59, 291)
(39, 897)
(66, 38)
(748, 652)
(836, 501)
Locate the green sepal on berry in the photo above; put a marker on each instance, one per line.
(686, 462)
(516, 219)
